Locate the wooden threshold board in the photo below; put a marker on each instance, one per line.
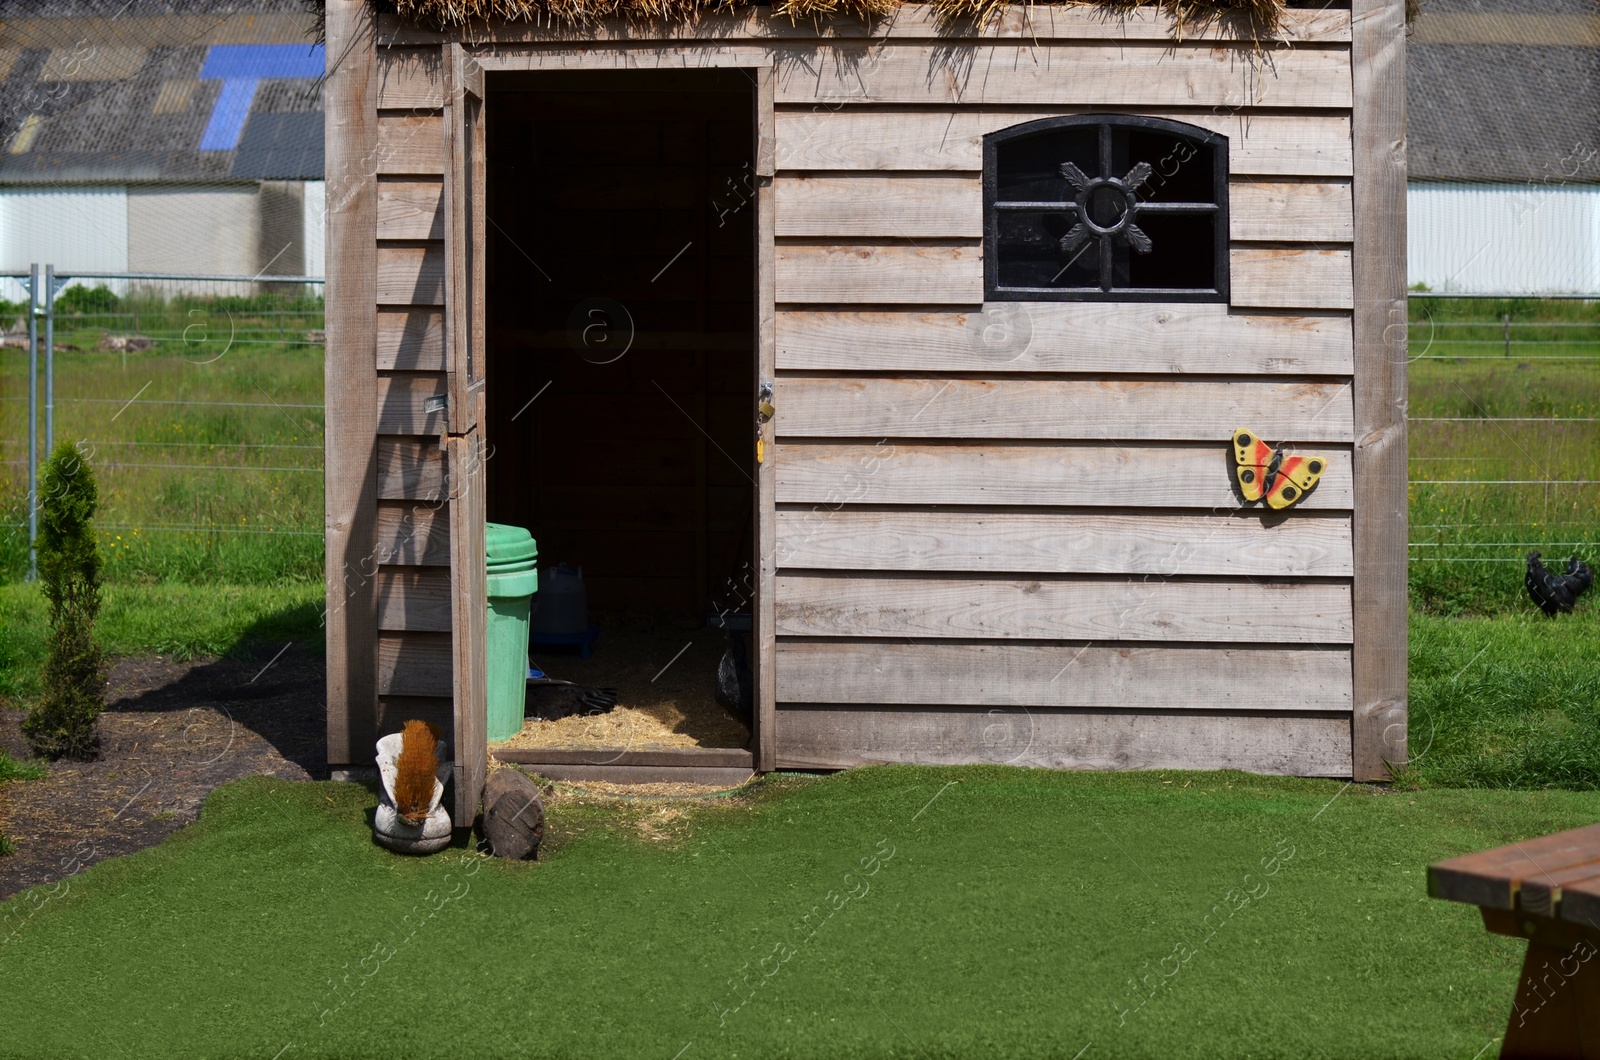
(685, 765)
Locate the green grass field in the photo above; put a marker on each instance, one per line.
(884, 912)
(1509, 701)
(229, 491)
(177, 620)
(1469, 540)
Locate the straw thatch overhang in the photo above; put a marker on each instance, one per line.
(1261, 16)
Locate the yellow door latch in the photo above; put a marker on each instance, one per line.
(764, 412)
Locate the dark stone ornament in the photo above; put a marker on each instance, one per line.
(513, 814)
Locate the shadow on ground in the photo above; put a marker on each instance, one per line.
(172, 733)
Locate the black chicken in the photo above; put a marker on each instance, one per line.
(552, 700)
(1556, 592)
(735, 684)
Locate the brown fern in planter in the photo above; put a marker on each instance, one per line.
(415, 770)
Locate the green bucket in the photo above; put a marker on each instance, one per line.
(513, 568)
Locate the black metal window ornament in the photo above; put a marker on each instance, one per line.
(1105, 207)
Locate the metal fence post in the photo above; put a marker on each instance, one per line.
(33, 422)
(49, 360)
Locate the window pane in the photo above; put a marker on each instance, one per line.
(1030, 252)
(1030, 167)
(1182, 168)
(1182, 253)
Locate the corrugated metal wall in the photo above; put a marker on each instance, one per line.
(1504, 238)
(315, 223)
(73, 228)
(232, 230)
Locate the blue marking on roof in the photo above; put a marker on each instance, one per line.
(240, 67)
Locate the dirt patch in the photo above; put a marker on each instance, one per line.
(664, 675)
(171, 734)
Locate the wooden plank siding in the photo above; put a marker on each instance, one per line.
(831, 738)
(1019, 72)
(411, 534)
(413, 469)
(1063, 608)
(411, 402)
(411, 274)
(416, 669)
(410, 339)
(1000, 542)
(1144, 337)
(1065, 474)
(1114, 409)
(1161, 677)
(952, 273)
(905, 139)
(414, 598)
(411, 209)
(409, 144)
(1013, 518)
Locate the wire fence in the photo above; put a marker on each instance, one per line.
(1504, 436)
(201, 398)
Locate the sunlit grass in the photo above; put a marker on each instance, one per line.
(207, 446)
(176, 620)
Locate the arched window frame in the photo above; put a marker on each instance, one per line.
(1106, 123)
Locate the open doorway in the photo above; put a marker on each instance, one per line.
(621, 364)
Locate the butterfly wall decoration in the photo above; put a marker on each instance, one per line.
(1265, 472)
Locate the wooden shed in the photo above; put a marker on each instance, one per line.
(1012, 287)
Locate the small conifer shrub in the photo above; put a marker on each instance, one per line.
(62, 724)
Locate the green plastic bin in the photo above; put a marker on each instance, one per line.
(513, 563)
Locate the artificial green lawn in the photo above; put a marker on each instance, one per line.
(1010, 918)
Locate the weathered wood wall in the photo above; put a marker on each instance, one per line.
(1004, 532)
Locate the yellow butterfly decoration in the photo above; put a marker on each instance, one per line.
(1265, 472)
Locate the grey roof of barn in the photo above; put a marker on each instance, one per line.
(1496, 90)
(1504, 91)
(159, 91)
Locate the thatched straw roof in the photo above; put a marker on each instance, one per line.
(1263, 14)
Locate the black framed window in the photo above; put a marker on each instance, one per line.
(1105, 207)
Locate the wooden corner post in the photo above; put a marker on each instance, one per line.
(1378, 125)
(351, 381)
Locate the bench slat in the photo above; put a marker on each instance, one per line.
(1491, 878)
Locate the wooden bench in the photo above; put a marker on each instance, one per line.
(1545, 890)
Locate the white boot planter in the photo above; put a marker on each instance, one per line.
(394, 831)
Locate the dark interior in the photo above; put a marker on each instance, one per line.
(621, 304)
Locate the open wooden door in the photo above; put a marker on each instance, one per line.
(465, 452)
(765, 657)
